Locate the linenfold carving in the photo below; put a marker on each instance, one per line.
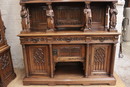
(25, 19)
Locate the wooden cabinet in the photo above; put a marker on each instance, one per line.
(6, 67)
(69, 42)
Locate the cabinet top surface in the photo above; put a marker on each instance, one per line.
(47, 1)
(65, 33)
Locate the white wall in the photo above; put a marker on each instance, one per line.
(11, 15)
(10, 10)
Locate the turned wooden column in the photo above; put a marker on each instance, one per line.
(25, 19)
(50, 18)
(113, 18)
(88, 17)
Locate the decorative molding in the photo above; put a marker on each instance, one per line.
(102, 39)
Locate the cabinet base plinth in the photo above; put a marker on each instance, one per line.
(69, 81)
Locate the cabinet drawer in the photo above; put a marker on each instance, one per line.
(68, 53)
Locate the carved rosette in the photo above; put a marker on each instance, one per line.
(88, 17)
(50, 18)
(25, 19)
(113, 17)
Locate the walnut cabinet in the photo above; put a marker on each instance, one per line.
(69, 42)
(6, 67)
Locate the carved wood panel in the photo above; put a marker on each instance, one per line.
(100, 59)
(38, 18)
(67, 53)
(98, 15)
(5, 65)
(38, 60)
(69, 15)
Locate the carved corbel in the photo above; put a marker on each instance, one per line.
(88, 17)
(25, 19)
(50, 18)
(113, 17)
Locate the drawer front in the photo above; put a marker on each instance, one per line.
(67, 53)
(69, 39)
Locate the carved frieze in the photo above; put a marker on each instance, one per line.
(69, 39)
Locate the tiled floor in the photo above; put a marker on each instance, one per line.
(122, 66)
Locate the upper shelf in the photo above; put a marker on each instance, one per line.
(52, 1)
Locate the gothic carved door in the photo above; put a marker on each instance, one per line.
(38, 60)
(100, 59)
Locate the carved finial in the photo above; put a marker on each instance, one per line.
(50, 18)
(113, 17)
(88, 17)
(25, 19)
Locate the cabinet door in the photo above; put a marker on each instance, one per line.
(100, 59)
(38, 60)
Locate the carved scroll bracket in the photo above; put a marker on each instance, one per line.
(113, 17)
(25, 19)
(50, 18)
(88, 17)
